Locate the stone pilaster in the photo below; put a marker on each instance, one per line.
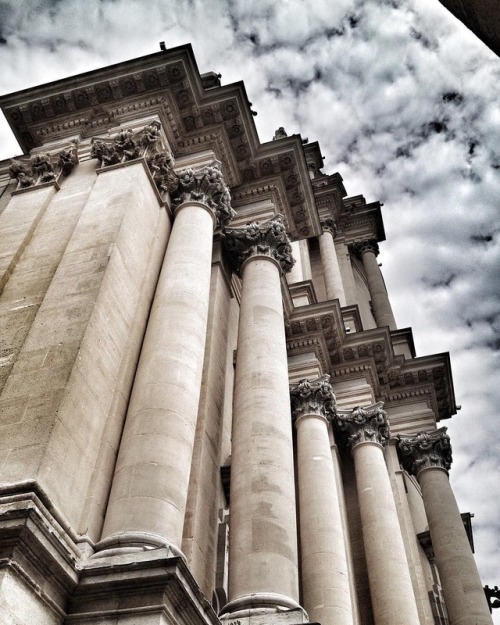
(367, 251)
(333, 277)
(263, 533)
(325, 573)
(150, 485)
(367, 432)
(428, 456)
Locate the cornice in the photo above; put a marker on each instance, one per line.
(169, 84)
(359, 220)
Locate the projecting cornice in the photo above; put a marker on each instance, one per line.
(359, 220)
(196, 115)
(395, 379)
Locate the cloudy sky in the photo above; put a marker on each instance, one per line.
(404, 101)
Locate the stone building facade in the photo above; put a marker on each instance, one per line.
(208, 413)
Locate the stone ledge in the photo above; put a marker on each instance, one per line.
(139, 587)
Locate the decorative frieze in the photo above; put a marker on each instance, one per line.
(363, 425)
(313, 397)
(43, 168)
(207, 186)
(425, 450)
(358, 248)
(254, 239)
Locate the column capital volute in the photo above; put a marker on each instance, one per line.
(329, 225)
(206, 186)
(358, 248)
(268, 239)
(425, 450)
(313, 397)
(364, 425)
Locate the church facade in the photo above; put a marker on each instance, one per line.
(208, 413)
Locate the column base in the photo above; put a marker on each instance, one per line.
(264, 608)
(133, 542)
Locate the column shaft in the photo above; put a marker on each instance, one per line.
(325, 579)
(331, 268)
(380, 300)
(462, 587)
(305, 260)
(391, 589)
(263, 537)
(149, 491)
(296, 274)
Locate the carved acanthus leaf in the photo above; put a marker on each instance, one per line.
(254, 239)
(42, 168)
(313, 397)
(358, 248)
(22, 173)
(127, 145)
(68, 159)
(160, 166)
(206, 186)
(425, 450)
(329, 225)
(362, 425)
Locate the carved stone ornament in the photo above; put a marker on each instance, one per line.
(206, 186)
(358, 248)
(280, 134)
(425, 450)
(146, 143)
(313, 397)
(254, 239)
(329, 225)
(362, 425)
(160, 165)
(43, 168)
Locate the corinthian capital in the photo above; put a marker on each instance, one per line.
(267, 239)
(358, 248)
(362, 425)
(329, 225)
(313, 397)
(425, 450)
(206, 186)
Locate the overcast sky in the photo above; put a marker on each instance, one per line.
(404, 101)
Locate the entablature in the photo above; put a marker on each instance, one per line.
(359, 221)
(394, 377)
(196, 115)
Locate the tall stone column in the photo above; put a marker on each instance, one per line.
(263, 570)
(325, 574)
(368, 251)
(331, 268)
(150, 485)
(391, 590)
(428, 456)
